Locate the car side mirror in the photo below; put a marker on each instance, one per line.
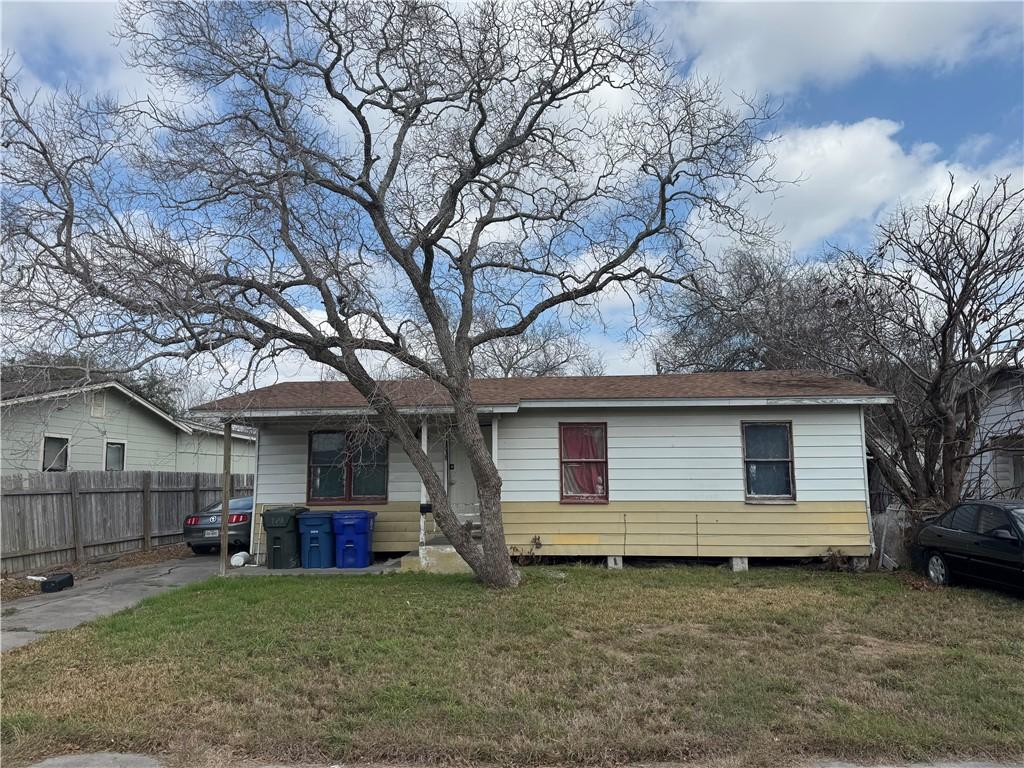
(1002, 533)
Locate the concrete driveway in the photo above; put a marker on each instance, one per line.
(28, 619)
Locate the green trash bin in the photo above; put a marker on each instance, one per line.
(282, 537)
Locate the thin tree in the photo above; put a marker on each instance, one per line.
(371, 179)
(934, 314)
(548, 348)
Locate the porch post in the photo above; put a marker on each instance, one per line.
(425, 445)
(225, 500)
(494, 439)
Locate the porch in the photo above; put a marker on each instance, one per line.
(290, 454)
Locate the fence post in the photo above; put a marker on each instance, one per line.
(147, 512)
(76, 519)
(196, 498)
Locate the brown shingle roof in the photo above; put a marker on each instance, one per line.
(491, 392)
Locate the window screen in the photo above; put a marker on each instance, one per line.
(768, 460)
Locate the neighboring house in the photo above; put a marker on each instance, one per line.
(998, 468)
(59, 426)
(734, 464)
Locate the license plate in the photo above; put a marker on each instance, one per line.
(211, 534)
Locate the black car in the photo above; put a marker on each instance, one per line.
(202, 531)
(976, 540)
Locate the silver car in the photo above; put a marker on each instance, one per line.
(202, 531)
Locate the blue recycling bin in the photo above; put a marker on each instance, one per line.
(353, 538)
(316, 539)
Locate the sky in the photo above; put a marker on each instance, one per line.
(880, 102)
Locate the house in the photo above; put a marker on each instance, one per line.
(58, 426)
(733, 464)
(997, 468)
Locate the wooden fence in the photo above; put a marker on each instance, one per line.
(49, 518)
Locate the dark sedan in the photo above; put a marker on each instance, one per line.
(976, 541)
(202, 531)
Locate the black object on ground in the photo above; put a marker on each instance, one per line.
(55, 582)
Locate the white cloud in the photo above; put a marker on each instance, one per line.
(778, 47)
(68, 42)
(852, 174)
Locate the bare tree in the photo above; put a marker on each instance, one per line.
(934, 314)
(548, 348)
(371, 179)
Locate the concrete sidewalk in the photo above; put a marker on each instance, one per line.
(28, 619)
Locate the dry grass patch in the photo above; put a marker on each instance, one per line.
(684, 664)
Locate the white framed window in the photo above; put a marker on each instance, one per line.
(113, 455)
(98, 404)
(768, 460)
(55, 453)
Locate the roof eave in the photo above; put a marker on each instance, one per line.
(689, 402)
(75, 391)
(274, 413)
(700, 402)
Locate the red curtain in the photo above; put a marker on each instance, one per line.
(584, 478)
(582, 443)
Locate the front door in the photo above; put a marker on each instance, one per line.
(461, 487)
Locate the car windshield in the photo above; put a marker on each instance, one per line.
(242, 504)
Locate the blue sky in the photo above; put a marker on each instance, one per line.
(880, 101)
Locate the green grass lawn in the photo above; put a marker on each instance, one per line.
(578, 665)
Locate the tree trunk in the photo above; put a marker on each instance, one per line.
(498, 568)
(489, 560)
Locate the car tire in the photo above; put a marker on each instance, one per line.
(937, 569)
(202, 549)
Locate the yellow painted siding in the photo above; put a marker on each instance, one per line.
(689, 529)
(396, 529)
(667, 529)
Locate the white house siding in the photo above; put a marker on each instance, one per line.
(675, 485)
(991, 473)
(151, 442)
(281, 481)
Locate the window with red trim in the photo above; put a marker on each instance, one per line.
(583, 450)
(347, 466)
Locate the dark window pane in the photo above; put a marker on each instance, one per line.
(55, 454)
(369, 451)
(328, 483)
(768, 478)
(369, 480)
(766, 441)
(327, 448)
(583, 442)
(965, 518)
(992, 519)
(584, 479)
